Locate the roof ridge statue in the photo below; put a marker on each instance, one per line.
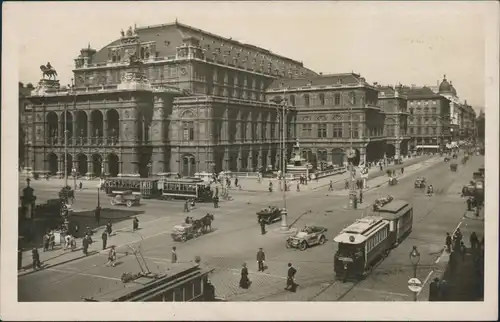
(48, 70)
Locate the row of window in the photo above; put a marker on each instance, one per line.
(321, 97)
(306, 131)
(423, 130)
(419, 120)
(426, 110)
(377, 238)
(423, 103)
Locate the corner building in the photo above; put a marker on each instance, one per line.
(196, 102)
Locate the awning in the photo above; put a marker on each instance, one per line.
(427, 147)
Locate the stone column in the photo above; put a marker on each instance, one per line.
(89, 130)
(259, 162)
(75, 133)
(60, 168)
(238, 161)
(105, 133)
(362, 155)
(90, 167)
(60, 129)
(226, 159)
(397, 152)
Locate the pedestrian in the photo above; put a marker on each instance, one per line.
(109, 228)
(361, 196)
(244, 281)
(52, 240)
(444, 290)
(81, 185)
(330, 187)
(67, 241)
(474, 241)
(104, 238)
(236, 183)
(36, 259)
(46, 242)
(346, 184)
(463, 250)
(458, 234)
(174, 255)
(380, 165)
(290, 280)
(448, 242)
(469, 204)
(298, 187)
(87, 240)
(216, 202)
(262, 226)
(186, 206)
(135, 224)
(270, 186)
(112, 256)
(434, 290)
(402, 171)
(98, 215)
(261, 258)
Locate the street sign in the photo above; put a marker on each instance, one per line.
(415, 285)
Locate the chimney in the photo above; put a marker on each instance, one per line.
(320, 74)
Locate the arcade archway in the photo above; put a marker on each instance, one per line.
(188, 165)
(69, 123)
(81, 125)
(97, 165)
(390, 150)
(69, 164)
(53, 163)
(355, 161)
(53, 124)
(113, 164)
(338, 157)
(96, 118)
(113, 125)
(82, 164)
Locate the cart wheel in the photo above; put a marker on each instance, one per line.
(303, 246)
(129, 203)
(112, 201)
(322, 240)
(183, 238)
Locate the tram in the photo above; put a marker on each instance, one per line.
(370, 239)
(190, 188)
(147, 187)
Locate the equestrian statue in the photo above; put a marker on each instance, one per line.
(49, 71)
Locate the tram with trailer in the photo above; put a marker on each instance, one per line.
(164, 188)
(370, 239)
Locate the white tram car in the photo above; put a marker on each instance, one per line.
(369, 239)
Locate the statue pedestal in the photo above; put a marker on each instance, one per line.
(45, 86)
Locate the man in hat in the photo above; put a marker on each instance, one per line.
(290, 280)
(104, 238)
(262, 226)
(135, 224)
(434, 290)
(261, 258)
(112, 256)
(36, 259)
(174, 255)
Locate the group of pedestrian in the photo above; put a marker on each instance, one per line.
(49, 240)
(245, 281)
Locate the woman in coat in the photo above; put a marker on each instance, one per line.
(244, 281)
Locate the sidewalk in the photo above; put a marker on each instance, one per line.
(252, 185)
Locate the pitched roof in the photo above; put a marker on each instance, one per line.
(170, 36)
(419, 92)
(331, 79)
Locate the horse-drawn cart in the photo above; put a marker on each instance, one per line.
(184, 232)
(420, 183)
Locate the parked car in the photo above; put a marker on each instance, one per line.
(269, 214)
(307, 237)
(127, 198)
(420, 182)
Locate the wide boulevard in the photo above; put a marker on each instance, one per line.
(236, 239)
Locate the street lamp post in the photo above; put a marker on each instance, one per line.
(283, 102)
(65, 145)
(415, 259)
(350, 157)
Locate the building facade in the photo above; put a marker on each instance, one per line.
(168, 98)
(428, 117)
(336, 112)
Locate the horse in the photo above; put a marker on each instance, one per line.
(197, 226)
(50, 72)
(207, 222)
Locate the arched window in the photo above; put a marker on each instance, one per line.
(188, 131)
(322, 98)
(292, 100)
(306, 100)
(337, 99)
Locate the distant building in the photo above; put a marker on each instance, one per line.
(429, 117)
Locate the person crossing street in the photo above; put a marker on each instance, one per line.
(112, 256)
(104, 238)
(261, 258)
(290, 280)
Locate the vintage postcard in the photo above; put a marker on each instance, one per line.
(250, 160)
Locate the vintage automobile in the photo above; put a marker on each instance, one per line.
(306, 237)
(420, 182)
(453, 167)
(269, 215)
(380, 202)
(477, 175)
(183, 232)
(127, 198)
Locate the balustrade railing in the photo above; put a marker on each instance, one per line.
(84, 140)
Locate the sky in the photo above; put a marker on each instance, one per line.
(388, 43)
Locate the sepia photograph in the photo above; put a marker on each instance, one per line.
(232, 157)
